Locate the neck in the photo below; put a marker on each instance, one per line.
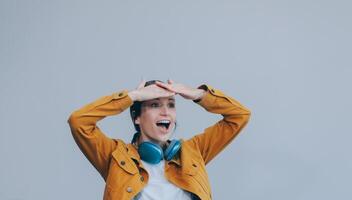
(145, 138)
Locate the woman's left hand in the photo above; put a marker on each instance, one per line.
(183, 90)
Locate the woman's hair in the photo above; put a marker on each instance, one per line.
(135, 109)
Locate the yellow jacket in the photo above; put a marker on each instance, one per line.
(119, 163)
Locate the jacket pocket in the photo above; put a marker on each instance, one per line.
(124, 162)
(121, 172)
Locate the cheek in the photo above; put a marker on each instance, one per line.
(173, 115)
(147, 120)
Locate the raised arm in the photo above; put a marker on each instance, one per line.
(216, 137)
(94, 144)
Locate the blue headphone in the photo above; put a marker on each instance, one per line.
(153, 153)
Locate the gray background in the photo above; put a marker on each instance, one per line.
(288, 61)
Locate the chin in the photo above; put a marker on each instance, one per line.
(163, 139)
(159, 137)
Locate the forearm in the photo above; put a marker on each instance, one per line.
(215, 101)
(90, 114)
(219, 135)
(93, 143)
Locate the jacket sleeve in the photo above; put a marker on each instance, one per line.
(94, 144)
(216, 137)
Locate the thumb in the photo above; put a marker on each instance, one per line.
(141, 84)
(169, 81)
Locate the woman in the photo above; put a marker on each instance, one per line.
(152, 166)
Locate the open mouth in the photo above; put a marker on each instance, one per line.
(164, 124)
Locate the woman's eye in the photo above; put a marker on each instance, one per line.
(171, 105)
(155, 105)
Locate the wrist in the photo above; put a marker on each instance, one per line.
(133, 95)
(200, 95)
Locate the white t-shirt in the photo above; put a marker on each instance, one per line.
(158, 187)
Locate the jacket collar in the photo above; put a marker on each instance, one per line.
(132, 152)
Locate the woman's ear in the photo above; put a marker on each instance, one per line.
(137, 120)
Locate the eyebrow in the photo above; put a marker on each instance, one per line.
(172, 99)
(158, 99)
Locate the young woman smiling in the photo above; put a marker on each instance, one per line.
(151, 166)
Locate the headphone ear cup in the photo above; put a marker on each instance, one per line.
(150, 152)
(172, 149)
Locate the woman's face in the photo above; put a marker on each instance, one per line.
(157, 119)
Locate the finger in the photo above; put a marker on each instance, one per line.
(168, 94)
(162, 85)
(162, 92)
(165, 86)
(141, 84)
(170, 81)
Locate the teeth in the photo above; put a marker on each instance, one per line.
(164, 121)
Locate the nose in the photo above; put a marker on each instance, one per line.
(164, 110)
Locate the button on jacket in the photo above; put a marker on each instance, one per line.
(119, 163)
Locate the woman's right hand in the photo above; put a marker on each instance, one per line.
(150, 92)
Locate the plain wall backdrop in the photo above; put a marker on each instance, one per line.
(289, 62)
